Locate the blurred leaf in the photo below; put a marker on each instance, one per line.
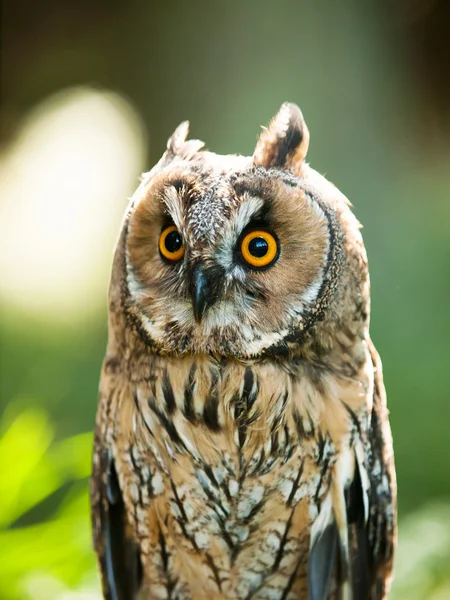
(72, 456)
(31, 469)
(26, 476)
(423, 557)
(61, 548)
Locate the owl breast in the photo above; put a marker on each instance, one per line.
(225, 472)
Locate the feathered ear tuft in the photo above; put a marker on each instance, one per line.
(177, 145)
(178, 138)
(285, 142)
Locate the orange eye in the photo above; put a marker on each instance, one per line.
(259, 248)
(171, 244)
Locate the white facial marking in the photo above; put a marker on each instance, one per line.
(233, 229)
(171, 200)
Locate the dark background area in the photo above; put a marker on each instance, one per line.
(90, 92)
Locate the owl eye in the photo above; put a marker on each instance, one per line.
(171, 244)
(259, 248)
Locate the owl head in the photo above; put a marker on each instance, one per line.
(239, 257)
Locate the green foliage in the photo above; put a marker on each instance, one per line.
(422, 565)
(53, 554)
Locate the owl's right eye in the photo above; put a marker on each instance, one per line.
(171, 244)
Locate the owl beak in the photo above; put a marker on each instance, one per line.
(200, 291)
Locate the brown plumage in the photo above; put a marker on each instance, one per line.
(242, 446)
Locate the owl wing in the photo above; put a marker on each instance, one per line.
(363, 571)
(378, 535)
(117, 552)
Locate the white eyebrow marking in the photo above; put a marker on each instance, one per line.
(241, 218)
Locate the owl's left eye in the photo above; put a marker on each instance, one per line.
(171, 244)
(259, 248)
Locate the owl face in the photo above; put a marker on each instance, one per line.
(230, 256)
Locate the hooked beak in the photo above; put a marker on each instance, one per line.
(200, 291)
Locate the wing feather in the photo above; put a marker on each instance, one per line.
(117, 552)
(364, 573)
(321, 564)
(371, 502)
(382, 519)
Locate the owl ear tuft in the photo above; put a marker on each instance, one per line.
(178, 138)
(285, 142)
(177, 145)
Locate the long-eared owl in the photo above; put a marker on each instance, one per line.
(242, 446)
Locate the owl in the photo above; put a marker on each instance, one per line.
(242, 446)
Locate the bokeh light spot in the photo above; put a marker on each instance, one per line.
(64, 184)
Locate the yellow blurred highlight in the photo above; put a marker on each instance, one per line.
(64, 184)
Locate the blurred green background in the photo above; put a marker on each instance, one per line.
(90, 93)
